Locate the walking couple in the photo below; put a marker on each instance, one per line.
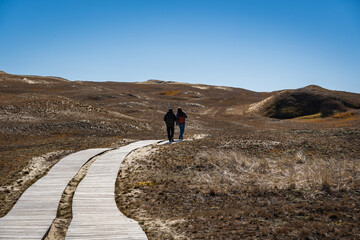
(170, 119)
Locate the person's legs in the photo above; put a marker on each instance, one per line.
(182, 130)
(168, 129)
(171, 133)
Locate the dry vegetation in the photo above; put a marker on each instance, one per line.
(253, 186)
(307, 101)
(251, 177)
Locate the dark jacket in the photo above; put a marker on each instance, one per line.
(170, 118)
(177, 118)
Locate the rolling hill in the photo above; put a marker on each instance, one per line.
(255, 166)
(306, 101)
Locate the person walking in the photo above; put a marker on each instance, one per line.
(170, 119)
(180, 121)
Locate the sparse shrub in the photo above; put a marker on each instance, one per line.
(345, 115)
(329, 107)
(263, 166)
(212, 193)
(325, 186)
(292, 186)
(171, 93)
(289, 111)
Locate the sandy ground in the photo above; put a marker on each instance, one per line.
(37, 167)
(133, 163)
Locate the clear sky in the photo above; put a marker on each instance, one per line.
(260, 45)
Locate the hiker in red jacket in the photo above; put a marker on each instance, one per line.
(170, 119)
(180, 121)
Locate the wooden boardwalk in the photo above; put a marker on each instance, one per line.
(95, 214)
(34, 212)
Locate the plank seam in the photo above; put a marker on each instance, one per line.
(95, 156)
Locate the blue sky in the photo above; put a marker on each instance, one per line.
(259, 45)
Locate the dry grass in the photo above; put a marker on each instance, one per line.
(345, 115)
(171, 93)
(288, 172)
(269, 186)
(309, 117)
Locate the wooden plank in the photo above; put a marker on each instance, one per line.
(34, 212)
(95, 214)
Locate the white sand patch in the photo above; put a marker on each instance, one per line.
(196, 105)
(200, 136)
(224, 88)
(166, 227)
(211, 111)
(29, 81)
(117, 114)
(193, 94)
(203, 87)
(131, 160)
(256, 106)
(39, 164)
(237, 109)
(36, 167)
(131, 104)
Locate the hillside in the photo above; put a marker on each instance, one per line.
(46, 114)
(253, 168)
(306, 101)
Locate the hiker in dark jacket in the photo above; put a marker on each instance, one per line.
(170, 119)
(180, 121)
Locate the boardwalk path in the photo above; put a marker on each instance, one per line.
(95, 214)
(34, 212)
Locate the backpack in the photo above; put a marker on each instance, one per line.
(181, 119)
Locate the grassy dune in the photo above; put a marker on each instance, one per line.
(256, 174)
